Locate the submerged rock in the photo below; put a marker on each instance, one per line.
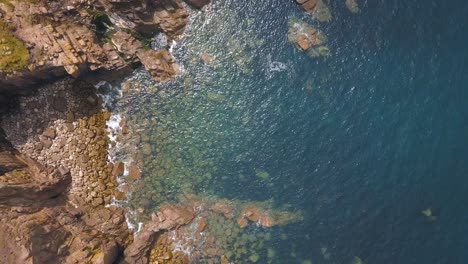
(215, 97)
(317, 8)
(264, 175)
(357, 260)
(197, 3)
(429, 214)
(307, 38)
(352, 6)
(206, 58)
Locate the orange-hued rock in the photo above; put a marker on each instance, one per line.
(262, 214)
(224, 260)
(202, 224)
(307, 38)
(303, 42)
(224, 207)
(61, 39)
(252, 213)
(160, 64)
(317, 8)
(134, 173)
(118, 169)
(242, 222)
(120, 195)
(266, 221)
(207, 59)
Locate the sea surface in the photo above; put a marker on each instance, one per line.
(361, 141)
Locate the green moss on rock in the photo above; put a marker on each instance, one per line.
(14, 55)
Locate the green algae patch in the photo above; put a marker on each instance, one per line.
(215, 97)
(13, 54)
(262, 174)
(357, 260)
(9, 3)
(429, 214)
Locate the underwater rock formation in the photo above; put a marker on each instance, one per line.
(205, 229)
(307, 38)
(317, 8)
(352, 6)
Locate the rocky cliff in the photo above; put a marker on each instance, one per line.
(55, 178)
(42, 40)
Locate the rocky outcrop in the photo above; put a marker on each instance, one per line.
(24, 181)
(74, 38)
(317, 8)
(352, 6)
(307, 38)
(194, 225)
(32, 184)
(52, 195)
(8, 156)
(160, 64)
(61, 234)
(170, 216)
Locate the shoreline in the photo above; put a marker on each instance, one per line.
(64, 126)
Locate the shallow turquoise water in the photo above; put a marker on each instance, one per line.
(362, 141)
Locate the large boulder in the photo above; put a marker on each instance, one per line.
(317, 8)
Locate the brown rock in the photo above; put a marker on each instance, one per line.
(224, 207)
(161, 64)
(118, 169)
(46, 143)
(317, 8)
(207, 59)
(49, 132)
(224, 260)
(202, 224)
(120, 195)
(134, 172)
(252, 213)
(266, 221)
(126, 44)
(303, 42)
(308, 5)
(107, 254)
(242, 222)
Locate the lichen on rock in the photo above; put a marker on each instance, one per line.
(14, 55)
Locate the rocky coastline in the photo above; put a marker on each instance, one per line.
(57, 186)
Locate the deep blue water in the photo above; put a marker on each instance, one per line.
(382, 135)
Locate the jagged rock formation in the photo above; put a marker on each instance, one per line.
(48, 209)
(58, 232)
(53, 192)
(75, 37)
(160, 64)
(307, 38)
(193, 226)
(317, 8)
